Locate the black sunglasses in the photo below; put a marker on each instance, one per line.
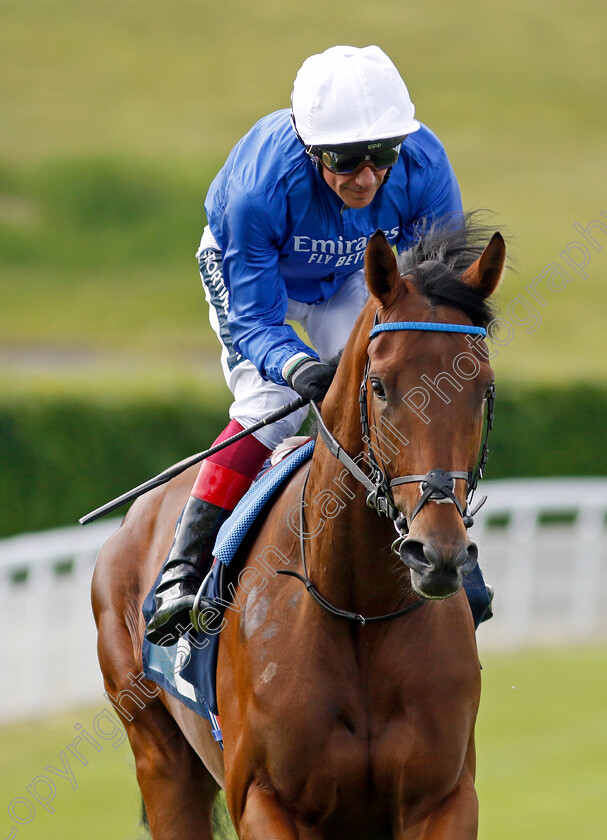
(341, 163)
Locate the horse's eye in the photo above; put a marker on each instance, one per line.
(378, 389)
(489, 392)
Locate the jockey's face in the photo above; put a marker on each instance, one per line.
(356, 189)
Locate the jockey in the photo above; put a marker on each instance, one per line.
(289, 216)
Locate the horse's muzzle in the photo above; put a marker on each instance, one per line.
(436, 573)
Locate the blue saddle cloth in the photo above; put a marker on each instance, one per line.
(234, 529)
(187, 670)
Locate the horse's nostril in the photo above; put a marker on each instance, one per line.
(424, 557)
(467, 558)
(418, 556)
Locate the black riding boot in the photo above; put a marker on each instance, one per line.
(184, 570)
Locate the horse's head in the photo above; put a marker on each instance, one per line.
(427, 390)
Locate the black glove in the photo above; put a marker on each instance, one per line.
(311, 378)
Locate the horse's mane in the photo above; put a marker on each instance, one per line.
(445, 249)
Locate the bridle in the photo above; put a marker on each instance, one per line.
(436, 485)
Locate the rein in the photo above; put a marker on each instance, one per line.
(436, 485)
(320, 599)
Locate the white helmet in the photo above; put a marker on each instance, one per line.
(348, 95)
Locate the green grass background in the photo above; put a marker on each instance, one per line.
(541, 740)
(115, 117)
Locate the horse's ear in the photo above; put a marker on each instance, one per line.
(381, 270)
(485, 273)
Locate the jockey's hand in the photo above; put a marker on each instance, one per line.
(310, 378)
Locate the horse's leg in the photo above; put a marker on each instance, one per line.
(265, 818)
(456, 817)
(178, 791)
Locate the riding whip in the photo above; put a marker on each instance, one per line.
(176, 469)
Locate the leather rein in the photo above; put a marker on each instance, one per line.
(436, 485)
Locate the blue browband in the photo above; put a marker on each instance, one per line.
(426, 325)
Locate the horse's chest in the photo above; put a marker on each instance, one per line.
(344, 730)
(332, 742)
(338, 765)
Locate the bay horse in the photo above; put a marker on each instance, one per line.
(336, 725)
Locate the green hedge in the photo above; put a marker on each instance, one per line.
(549, 431)
(61, 457)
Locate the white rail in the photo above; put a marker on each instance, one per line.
(48, 658)
(543, 545)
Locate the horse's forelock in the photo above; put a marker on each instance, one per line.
(436, 262)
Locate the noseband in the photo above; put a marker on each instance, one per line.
(436, 485)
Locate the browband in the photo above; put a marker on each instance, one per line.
(426, 325)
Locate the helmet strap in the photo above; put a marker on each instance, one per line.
(315, 160)
(388, 172)
(297, 134)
